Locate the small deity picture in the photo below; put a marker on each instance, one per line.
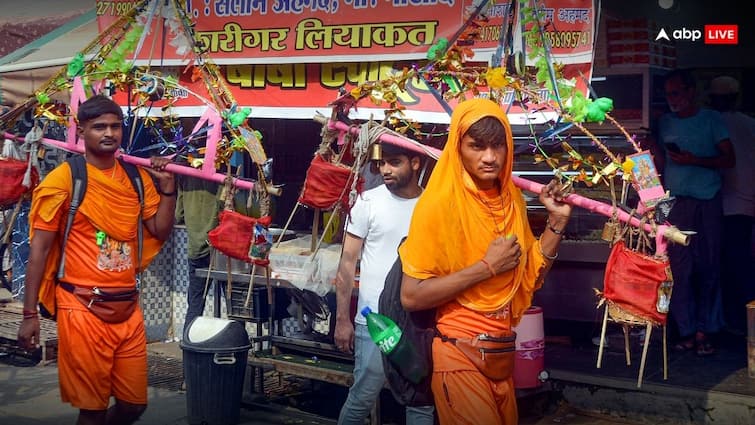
(645, 178)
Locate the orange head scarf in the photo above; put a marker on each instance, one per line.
(452, 226)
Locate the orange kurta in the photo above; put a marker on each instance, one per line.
(452, 226)
(111, 205)
(96, 359)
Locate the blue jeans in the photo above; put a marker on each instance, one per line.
(369, 379)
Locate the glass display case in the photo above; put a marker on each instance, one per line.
(582, 254)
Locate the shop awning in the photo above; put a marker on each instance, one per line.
(27, 68)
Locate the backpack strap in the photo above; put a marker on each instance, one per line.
(136, 181)
(78, 165)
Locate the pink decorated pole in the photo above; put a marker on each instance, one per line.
(670, 233)
(174, 168)
(390, 138)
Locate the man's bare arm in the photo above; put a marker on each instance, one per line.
(352, 247)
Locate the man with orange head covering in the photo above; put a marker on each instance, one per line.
(470, 253)
(98, 358)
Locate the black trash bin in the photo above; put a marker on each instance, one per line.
(214, 359)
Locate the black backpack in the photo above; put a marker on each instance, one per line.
(417, 327)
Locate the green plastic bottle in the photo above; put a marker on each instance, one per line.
(401, 352)
(383, 331)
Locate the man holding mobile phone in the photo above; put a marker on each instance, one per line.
(673, 147)
(696, 146)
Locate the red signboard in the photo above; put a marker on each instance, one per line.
(288, 31)
(280, 54)
(299, 90)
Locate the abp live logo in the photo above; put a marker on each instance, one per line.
(714, 34)
(721, 34)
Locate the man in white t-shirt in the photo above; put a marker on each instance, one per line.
(378, 221)
(738, 195)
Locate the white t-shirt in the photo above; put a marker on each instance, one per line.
(381, 219)
(738, 187)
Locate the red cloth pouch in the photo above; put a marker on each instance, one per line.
(234, 233)
(632, 281)
(12, 173)
(327, 184)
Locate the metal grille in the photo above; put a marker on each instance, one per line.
(10, 320)
(165, 372)
(277, 384)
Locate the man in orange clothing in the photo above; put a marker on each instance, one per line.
(96, 359)
(470, 253)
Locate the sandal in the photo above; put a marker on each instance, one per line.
(685, 345)
(704, 347)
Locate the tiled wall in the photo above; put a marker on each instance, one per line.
(164, 288)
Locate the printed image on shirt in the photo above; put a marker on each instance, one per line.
(114, 255)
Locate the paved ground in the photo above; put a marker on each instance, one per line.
(719, 391)
(29, 395)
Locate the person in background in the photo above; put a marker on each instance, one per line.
(692, 148)
(197, 207)
(738, 196)
(471, 254)
(377, 222)
(97, 359)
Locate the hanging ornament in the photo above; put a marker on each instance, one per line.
(151, 86)
(235, 117)
(76, 66)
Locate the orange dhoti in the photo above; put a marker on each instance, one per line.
(97, 359)
(464, 396)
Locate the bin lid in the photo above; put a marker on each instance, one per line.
(213, 335)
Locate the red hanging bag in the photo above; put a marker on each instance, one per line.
(12, 173)
(234, 233)
(327, 184)
(635, 282)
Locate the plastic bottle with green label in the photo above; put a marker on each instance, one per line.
(383, 331)
(401, 352)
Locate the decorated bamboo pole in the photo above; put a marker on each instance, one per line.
(173, 168)
(315, 229)
(671, 233)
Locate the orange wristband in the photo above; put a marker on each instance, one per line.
(490, 268)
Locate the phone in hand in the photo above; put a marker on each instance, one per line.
(673, 147)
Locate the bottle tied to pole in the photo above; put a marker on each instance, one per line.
(383, 331)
